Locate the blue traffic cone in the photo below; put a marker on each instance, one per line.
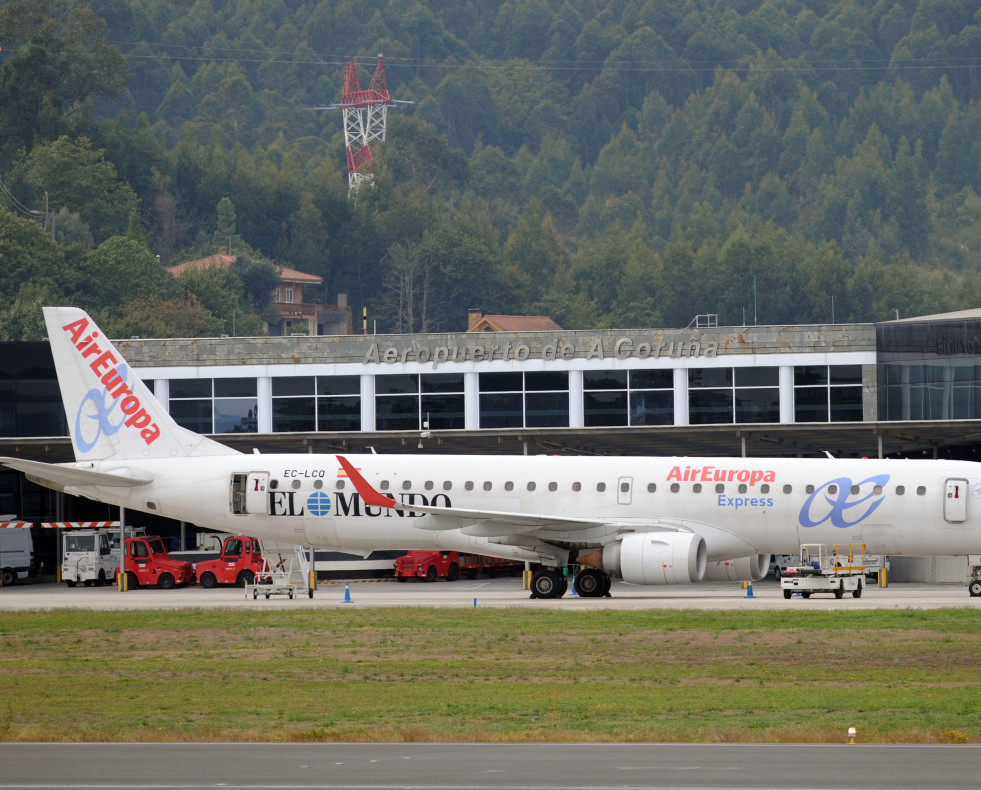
(347, 594)
(749, 590)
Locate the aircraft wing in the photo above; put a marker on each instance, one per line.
(58, 476)
(481, 523)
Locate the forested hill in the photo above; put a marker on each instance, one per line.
(605, 162)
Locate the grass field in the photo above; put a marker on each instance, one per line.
(491, 675)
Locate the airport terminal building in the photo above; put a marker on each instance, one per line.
(899, 388)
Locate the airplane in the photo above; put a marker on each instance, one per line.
(646, 520)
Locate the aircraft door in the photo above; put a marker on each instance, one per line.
(256, 500)
(624, 487)
(955, 500)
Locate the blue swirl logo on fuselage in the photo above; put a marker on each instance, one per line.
(839, 503)
(97, 405)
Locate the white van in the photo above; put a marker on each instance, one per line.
(16, 552)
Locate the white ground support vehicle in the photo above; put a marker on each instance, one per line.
(88, 558)
(16, 550)
(839, 571)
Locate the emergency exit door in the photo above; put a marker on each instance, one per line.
(955, 500)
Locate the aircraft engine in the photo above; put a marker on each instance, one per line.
(655, 558)
(741, 569)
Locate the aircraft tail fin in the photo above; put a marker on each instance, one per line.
(111, 413)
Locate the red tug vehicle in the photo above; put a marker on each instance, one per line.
(239, 564)
(433, 565)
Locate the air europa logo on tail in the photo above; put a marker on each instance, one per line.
(718, 474)
(116, 390)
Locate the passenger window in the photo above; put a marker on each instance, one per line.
(531, 486)
(876, 490)
(854, 489)
(765, 488)
(697, 488)
(675, 488)
(624, 488)
(429, 485)
(488, 485)
(809, 489)
(577, 486)
(651, 488)
(720, 488)
(920, 490)
(468, 485)
(601, 487)
(447, 485)
(832, 489)
(384, 485)
(509, 486)
(273, 485)
(742, 488)
(788, 489)
(318, 484)
(296, 484)
(406, 484)
(900, 490)
(553, 486)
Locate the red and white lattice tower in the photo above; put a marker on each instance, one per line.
(365, 121)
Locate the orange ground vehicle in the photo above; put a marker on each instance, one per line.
(433, 565)
(239, 563)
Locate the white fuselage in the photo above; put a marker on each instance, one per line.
(738, 505)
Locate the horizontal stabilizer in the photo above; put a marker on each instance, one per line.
(70, 476)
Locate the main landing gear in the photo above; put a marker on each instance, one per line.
(552, 583)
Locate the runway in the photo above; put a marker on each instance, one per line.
(500, 592)
(641, 766)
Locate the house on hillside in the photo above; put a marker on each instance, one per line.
(286, 313)
(478, 322)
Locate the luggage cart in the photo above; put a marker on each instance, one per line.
(273, 580)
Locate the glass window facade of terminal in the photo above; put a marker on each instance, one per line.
(215, 405)
(929, 370)
(828, 393)
(628, 397)
(726, 395)
(316, 403)
(403, 402)
(524, 400)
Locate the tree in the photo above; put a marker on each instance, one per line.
(63, 59)
(120, 271)
(75, 175)
(259, 279)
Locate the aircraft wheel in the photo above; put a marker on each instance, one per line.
(546, 583)
(589, 583)
(974, 588)
(165, 582)
(839, 593)
(209, 581)
(787, 593)
(453, 573)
